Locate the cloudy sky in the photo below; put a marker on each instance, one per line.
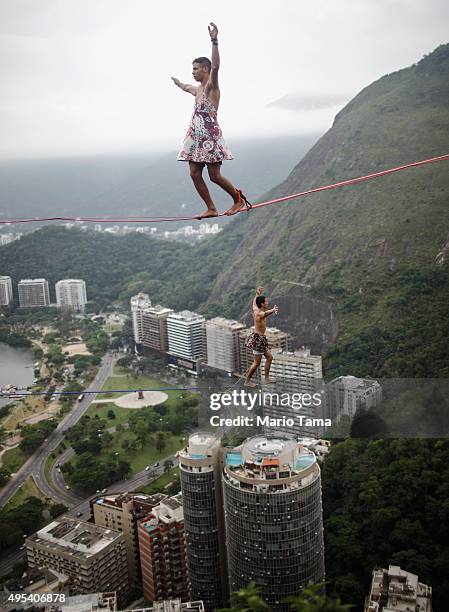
(88, 76)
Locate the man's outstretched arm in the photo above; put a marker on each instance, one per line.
(213, 33)
(191, 89)
(268, 313)
(258, 292)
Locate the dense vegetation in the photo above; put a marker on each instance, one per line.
(386, 502)
(310, 599)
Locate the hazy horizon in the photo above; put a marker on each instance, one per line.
(82, 79)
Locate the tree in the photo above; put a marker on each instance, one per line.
(111, 414)
(57, 509)
(168, 464)
(5, 475)
(311, 599)
(160, 441)
(247, 600)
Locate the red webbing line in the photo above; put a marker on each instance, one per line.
(352, 181)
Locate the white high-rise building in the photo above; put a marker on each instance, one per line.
(5, 290)
(298, 370)
(33, 293)
(139, 303)
(346, 394)
(186, 335)
(71, 293)
(222, 337)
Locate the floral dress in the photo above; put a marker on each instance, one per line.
(204, 141)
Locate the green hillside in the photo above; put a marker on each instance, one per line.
(376, 252)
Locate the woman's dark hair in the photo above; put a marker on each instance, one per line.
(260, 299)
(203, 61)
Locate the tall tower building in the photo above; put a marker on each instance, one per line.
(223, 344)
(162, 552)
(92, 557)
(346, 394)
(71, 293)
(154, 328)
(276, 339)
(186, 335)
(121, 512)
(200, 473)
(33, 293)
(273, 515)
(139, 303)
(5, 291)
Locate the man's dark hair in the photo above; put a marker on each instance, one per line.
(203, 61)
(260, 299)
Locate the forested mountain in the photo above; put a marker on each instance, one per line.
(377, 253)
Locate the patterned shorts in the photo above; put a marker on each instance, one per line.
(258, 343)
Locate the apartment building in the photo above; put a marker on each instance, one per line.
(273, 517)
(94, 558)
(139, 303)
(71, 293)
(200, 474)
(222, 337)
(122, 512)
(5, 291)
(33, 293)
(162, 552)
(186, 335)
(154, 328)
(398, 590)
(346, 394)
(277, 339)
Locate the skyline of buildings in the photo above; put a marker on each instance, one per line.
(34, 293)
(222, 339)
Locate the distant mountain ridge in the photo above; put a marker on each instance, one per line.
(138, 185)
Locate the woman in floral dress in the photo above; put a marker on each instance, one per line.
(204, 144)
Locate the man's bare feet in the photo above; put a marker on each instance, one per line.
(207, 213)
(238, 207)
(270, 381)
(249, 383)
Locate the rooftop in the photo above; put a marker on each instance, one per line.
(282, 461)
(74, 537)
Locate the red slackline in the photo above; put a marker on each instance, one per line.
(352, 181)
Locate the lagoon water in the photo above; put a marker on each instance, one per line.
(16, 367)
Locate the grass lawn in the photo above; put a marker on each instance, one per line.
(121, 414)
(162, 483)
(141, 382)
(14, 459)
(28, 489)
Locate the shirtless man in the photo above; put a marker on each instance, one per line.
(257, 341)
(204, 144)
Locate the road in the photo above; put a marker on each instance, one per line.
(82, 505)
(35, 464)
